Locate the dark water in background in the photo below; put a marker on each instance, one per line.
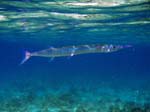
(128, 67)
(29, 26)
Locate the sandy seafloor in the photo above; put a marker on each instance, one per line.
(63, 99)
(74, 100)
(111, 82)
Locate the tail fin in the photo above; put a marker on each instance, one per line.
(26, 57)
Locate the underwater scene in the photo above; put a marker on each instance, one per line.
(74, 56)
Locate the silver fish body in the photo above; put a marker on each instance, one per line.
(74, 50)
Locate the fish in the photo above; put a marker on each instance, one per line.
(73, 50)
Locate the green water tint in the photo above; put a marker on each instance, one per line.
(99, 99)
(81, 21)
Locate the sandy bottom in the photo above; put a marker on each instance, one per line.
(64, 98)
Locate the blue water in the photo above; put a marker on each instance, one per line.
(100, 82)
(129, 64)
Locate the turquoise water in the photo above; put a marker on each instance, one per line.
(101, 82)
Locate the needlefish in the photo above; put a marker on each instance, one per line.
(73, 50)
